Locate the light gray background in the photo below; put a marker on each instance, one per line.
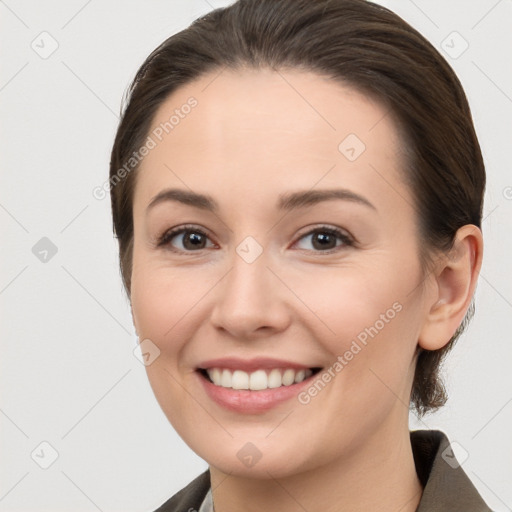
(68, 373)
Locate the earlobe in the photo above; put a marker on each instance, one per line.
(455, 281)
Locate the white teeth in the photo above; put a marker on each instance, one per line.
(288, 377)
(258, 379)
(225, 380)
(216, 374)
(240, 380)
(299, 376)
(274, 379)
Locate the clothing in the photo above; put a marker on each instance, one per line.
(446, 487)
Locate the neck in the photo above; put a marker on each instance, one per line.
(380, 475)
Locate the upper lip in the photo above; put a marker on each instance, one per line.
(248, 365)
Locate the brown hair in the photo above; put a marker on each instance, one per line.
(352, 41)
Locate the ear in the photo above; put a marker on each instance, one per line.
(455, 279)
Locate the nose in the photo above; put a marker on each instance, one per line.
(251, 301)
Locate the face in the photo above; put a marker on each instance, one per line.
(302, 256)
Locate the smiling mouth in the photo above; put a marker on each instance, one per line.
(257, 380)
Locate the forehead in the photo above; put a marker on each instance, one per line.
(288, 129)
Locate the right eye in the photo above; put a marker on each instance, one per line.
(189, 239)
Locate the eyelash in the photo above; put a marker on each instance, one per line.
(348, 241)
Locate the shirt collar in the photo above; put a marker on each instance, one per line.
(446, 486)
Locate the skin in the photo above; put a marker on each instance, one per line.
(253, 136)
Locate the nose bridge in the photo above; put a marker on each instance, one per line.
(247, 283)
(249, 297)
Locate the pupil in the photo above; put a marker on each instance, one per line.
(323, 240)
(194, 239)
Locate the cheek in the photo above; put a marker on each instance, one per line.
(369, 322)
(351, 303)
(155, 310)
(162, 299)
(165, 310)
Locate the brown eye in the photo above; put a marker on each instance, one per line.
(185, 239)
(326, 239)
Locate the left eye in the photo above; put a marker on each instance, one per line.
(326, 239)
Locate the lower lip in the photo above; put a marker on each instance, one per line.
(252, 402)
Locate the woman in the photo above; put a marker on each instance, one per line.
(297, 194)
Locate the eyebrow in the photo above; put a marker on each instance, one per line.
(288, 201)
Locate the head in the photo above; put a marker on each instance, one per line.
(249, 105)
